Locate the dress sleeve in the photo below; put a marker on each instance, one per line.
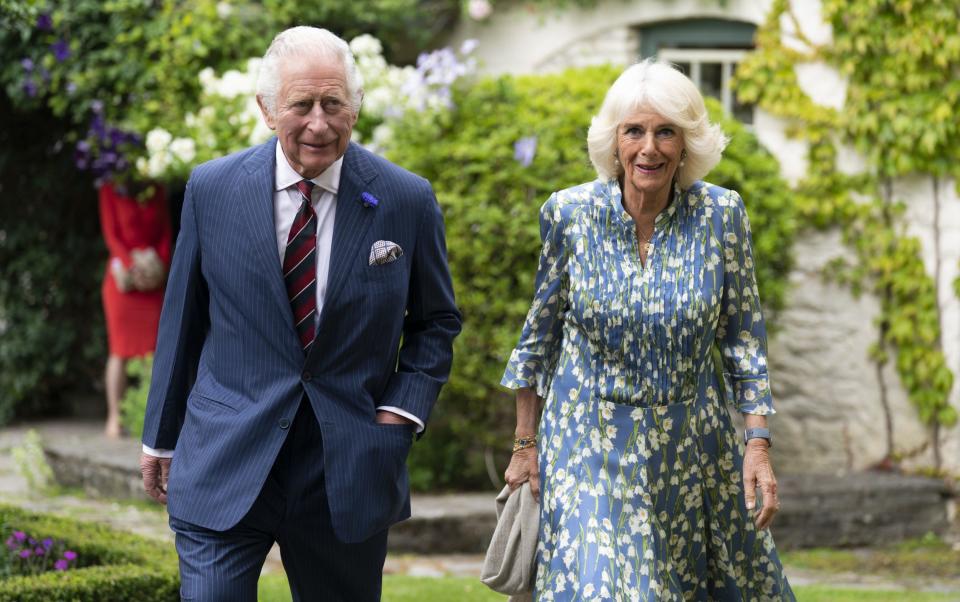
(109, 225)
(165, 233)
(533, 361)
(741, 332)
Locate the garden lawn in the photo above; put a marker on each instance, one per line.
(401, 588)
(926, 557)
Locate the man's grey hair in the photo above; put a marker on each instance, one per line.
(659, 88)
(306, 43)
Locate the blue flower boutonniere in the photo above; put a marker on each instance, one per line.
(369, 200)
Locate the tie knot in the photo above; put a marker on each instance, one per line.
(305, 187)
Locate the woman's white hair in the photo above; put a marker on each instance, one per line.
(306, 43)
(660, 88)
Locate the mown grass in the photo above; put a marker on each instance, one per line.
(401, 588)
(926, 557)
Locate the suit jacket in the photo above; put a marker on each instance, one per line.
(229, 372)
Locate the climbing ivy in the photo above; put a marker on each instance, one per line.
(899, 58)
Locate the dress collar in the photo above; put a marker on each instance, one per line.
(615, 194)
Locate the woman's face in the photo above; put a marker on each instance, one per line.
(649, 149)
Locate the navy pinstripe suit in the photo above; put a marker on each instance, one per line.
(229, 374)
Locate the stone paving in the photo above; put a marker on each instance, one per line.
(150, 520)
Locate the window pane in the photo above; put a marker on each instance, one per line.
(711, 80)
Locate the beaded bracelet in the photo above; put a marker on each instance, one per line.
(524, 442)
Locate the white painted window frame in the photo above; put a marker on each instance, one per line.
(727, 57)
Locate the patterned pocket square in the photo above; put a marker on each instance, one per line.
(384, 251)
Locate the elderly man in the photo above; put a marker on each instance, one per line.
(281, 390)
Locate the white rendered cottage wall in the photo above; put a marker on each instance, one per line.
(828, 392)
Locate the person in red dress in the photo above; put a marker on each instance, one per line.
(136, 229)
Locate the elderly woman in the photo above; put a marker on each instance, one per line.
(646, 490)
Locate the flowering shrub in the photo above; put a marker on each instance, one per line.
(106, 149)
(100, 563)
(28, 556)
(228, 121)
(392, 92)
(229, 118)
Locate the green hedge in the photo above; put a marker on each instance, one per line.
(112, 565)
(491, 201)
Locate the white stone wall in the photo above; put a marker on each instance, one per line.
(523, 39)
(828, 392)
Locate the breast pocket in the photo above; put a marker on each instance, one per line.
(393, 269)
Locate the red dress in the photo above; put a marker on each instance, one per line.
(128, 224)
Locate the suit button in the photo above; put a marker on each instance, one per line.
(284, 423)
(306, 376)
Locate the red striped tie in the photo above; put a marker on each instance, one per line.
(300, 267)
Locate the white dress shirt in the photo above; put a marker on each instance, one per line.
(286, 203)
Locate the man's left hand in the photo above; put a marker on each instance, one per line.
(385, 417)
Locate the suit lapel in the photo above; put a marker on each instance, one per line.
(254, 195)
(352, 221)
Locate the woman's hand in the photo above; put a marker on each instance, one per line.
(758, 472)
(524, 467)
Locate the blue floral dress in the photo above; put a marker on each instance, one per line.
(640, 464)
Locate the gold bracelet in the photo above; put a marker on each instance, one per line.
(524, 442)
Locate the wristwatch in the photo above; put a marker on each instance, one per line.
(757, 433)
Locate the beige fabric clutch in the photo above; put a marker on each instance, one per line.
(510, 564)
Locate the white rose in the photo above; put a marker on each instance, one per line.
(157, 140)
(208, 79)
(157, 164)
(479, 9)
(183, 149)
(365, 45)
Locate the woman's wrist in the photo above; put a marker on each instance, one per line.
(524, 442)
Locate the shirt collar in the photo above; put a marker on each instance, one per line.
(286, 177)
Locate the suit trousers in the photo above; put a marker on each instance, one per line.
(291, 510)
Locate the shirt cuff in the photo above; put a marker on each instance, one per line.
(159, 453)
(407, 415)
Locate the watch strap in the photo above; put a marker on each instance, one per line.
(757, 433)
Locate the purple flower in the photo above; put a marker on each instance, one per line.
(30, 88)
(27, 64)
(70, 555)
(61, 50)
(39, 551)
(524, 150)
(369, 200)
(96, 106)
(26, 553)
(60, 565)
(11, 544)
(71, 88)
(48, 543)
(44, 22)
(19, 535)
(469, 46)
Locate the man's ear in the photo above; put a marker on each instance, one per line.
(356, 112)
(267, 117)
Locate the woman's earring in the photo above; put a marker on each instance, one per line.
(616, 160)
(683, 156)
